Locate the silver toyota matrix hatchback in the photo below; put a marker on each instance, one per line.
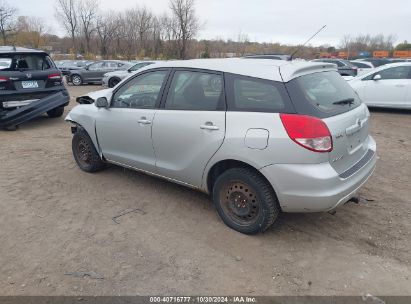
(260, 136)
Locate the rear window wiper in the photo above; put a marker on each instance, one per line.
(348, 101)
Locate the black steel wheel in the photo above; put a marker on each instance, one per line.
(85, 154)
(245, 201)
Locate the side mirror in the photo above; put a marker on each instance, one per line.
(377, 77)
(102, 102)
(129, 70)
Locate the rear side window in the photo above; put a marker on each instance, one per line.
(96, 66)
(25, 62)
(196, 91)
(256, 95)
(323, 94)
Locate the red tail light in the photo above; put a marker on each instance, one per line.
(307, 131)
(4, 79)
(55, 76)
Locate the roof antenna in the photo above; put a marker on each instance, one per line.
(300, 47)
(14, 48)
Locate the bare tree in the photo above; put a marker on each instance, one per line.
(87, 14)
(187, 23)
(107, 29)
(144, 24)
(128, 25)
(66, 14)
(7, 17)
(30, 31)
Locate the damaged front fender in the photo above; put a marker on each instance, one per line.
(36, 108)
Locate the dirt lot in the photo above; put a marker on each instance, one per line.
(55, 219)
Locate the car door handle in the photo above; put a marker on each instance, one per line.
(209, 126)
(400, 85)
(144, 121)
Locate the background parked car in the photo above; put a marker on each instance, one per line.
(362, 66)
(111, 79)
(65, 66)
(30, 85)
(269, 56)
(387, 86)
(93, 73)
(345, 68)
(376, 62)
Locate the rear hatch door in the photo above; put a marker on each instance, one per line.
(326, 95)
(349, 133)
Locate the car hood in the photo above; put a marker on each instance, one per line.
(93, 96)
(117, 73)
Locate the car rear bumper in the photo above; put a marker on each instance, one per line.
(17, 116)
(318, 187)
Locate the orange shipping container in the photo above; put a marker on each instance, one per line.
(342, 54)
(325, 55)
(379, 54)
(402, 54)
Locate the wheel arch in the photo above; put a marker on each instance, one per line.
(223, 165)
(80, 118)
(76, 74)
(113, 78)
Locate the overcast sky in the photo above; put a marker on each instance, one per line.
(281, 21)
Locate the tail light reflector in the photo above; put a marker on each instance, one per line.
(307, 131)
(4, 79)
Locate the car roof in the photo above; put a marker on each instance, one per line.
(270, 69)
(18, 50)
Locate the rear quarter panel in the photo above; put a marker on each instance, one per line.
(280, 148)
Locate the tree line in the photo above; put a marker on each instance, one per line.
(137, 33)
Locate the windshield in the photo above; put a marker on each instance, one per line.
(25, 62)
(322, 94)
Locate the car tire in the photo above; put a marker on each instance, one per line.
(56, 112)
(84, 152)
(11, 128)
(245, 201)
(113, 82)
(76, 80)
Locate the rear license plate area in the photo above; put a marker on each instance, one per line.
(31, 84)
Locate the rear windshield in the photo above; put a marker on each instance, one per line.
(322, 94)
(25, 62)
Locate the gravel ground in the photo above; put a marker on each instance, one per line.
(56, 221)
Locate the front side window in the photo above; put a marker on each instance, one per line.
(196, 91)
(401, 72)
(142, 92)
